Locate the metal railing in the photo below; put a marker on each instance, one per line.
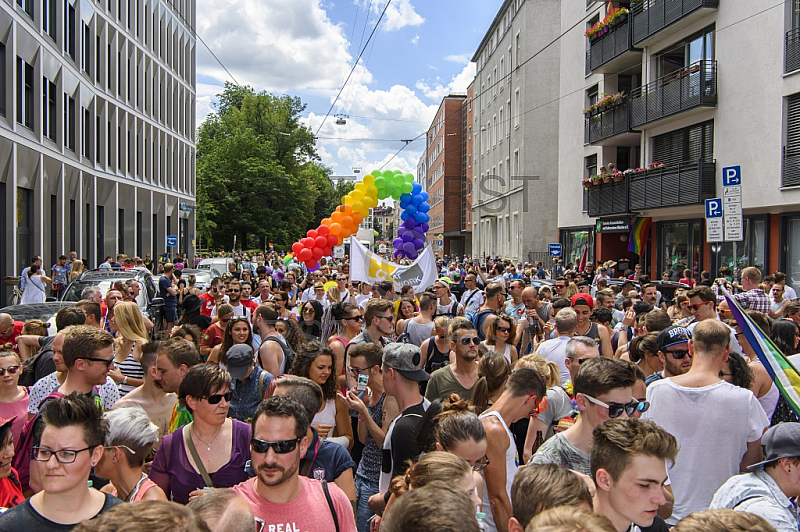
(652, 16)
(607, 198)
(685, 183)
(607, 123)
(692, 86)
(610, 45)
(792, 51)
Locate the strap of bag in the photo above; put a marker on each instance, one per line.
(187, 437)
(466, 303)
(261, 380)
(330, 503)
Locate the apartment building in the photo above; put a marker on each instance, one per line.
(515, 150)
(673, 91)
(466, 171)
(97, 128)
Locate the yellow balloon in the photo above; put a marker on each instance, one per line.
(365, 211)
(372, 191)
(361, 187)
(357, 195)
(370, 202)
(369, 180)
(348, 200)
(357, 206)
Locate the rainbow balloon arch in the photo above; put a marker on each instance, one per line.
(344, 221)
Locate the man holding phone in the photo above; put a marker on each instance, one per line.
(213, 297)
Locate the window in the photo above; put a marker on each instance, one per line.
(590, 163)
(500, 126)
(791, 150)
(518, 47)
(690, 144)
(98, 62)
(87, 50)
(517, 108)
(591, 96)
(469, 133)
(27, 6)
(516, 162)
(2, 79)
(507, 125)
(98, 147)
(24, 93)
(469, 160)
(69, 29)
(87, 133)
(69, 122)
(49, 20)
(692, 50)
(502, 79)
(496, 83)
(49, 109)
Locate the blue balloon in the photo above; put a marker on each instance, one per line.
(416, 188)
(425, 207)
(315, 268)
(419, 217)
(416, 199)
(411, 209)
(424, 195)
(404, 215)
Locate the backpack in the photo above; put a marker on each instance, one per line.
(477, 319)
(288, 353)
(24, 448)
(28, 373)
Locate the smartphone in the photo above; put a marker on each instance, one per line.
(362, 383)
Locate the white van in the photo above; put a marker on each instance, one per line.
(217, 265)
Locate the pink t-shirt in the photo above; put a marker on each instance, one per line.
(17, 408)
(308, 512)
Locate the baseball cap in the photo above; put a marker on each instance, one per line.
(240, 357)
(582, 299)
(672, 336)
(780, 441)
(405, 359)
(445, 280)
(7, 421)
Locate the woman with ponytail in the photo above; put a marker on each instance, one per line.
(437, 465)
(493, 372)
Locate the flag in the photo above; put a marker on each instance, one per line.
(780, 369)
(638, 236)
(582, 265)
(370, 268)
(287, 260)
(271, 246)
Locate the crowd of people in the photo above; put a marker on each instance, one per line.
(281, 399)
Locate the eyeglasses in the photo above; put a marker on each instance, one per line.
(356, 371)
(121, 447)
(12, 370)
(358, 318)
(503, 329)
(580, 360)
(280, 447)
(217, 397)
(697, 306)
(541, 407)
(679, 355)
(234, 291)
(106, 361)
(63, 456)
(615, 409)
(474, 340)
(480, 466)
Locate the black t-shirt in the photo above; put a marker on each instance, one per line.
(44, 365)
(25, 517)
(204, 322)
(659, 525)
(403, 443)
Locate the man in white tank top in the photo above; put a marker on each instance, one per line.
(521, 397)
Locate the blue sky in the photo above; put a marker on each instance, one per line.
(419, 53)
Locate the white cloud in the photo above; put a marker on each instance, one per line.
(459, 58)
(436, 89)
(415, 39)
(399, 15)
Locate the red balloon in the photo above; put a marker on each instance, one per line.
(317, 253)
(296, 247)
(307, 242)
(332, 241)
(311, 233)
(326, 252)
(323, 230)
(312, 264)
(321, 241)
(305, 254)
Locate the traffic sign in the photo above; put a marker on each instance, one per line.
(734, 228)
(714, 230)
(714, 208)
(172, 240)
(555, 250)
(731, 175)
(735, 190)
(732, 209)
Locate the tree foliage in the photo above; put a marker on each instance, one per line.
(258, 174)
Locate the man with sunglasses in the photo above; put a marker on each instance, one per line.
(603, 390)
(212, 297)
(279, 495)
(718, 425)
(522, 397)
(673, 351)
(234, 294)
(703, 305)
(461, 376)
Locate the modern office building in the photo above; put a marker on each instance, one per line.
(97, 128)
(695, 86)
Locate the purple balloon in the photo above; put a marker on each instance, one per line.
(401, 230)
(412, 255)
(408, 238)
(409, 248)
(398, 243)
(315, 268)
(418, 244)
(425, 227)
(398, 254)
(410, 222)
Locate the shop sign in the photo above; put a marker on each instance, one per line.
(614, 225)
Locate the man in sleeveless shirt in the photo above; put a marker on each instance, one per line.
(583, 304)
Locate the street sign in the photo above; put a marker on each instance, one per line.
(172, 241)
(338, 252)
(714, 230)
(732, 209)
(731, 175)
(733, 228)
(555, 250)
(714, 208)
(735, 190)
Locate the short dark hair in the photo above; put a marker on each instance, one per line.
(600, 375)
(282, 406)
(147, 515)
(492, 289)
(305, 391)
(537, 487)
(70, 316)
(372, 353)
(77, 409)
(657, 321)
(704, 293)
(83, 340)
(201, 381)
(618, 440)
(525, 381)
(180, 352)
(90, 308)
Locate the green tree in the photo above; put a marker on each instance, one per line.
(258, 174)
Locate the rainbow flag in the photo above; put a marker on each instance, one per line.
(783, 373)
(271, 246)
(638, 236)
(287, 260)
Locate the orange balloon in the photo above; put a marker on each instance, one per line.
(347, 221)
(336, 217)
(339, 240)
(326, 221)
(346, 231)
(336, 229)
(348, 209)
(358, 218)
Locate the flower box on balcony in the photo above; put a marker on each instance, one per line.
(601, 27)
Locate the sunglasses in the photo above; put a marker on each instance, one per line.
(480, 466)
(615, 409)
(474, 340)
(503, 329)
(541, 407)
(12, 370)
(217, 397)
(679, 355)
(560, 286)
(106, 361)
(234, 291)
(580, 360)
(356, 318)
(280, 447)
(697, 306)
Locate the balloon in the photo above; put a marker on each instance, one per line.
(311, 233)
(401, 231)
(326, 251)
(416, 199)
(347, 221)
(369, 180)
(411, 209)
(412, 255)
(335, 227)
(371, 202)
(339, 240)
(347, 209)
(418, 244)
(397, 243)
(424, 195)
(372, 190)
(346, 231)
(305, 254)
(357, 206)
(406, 188)
(407, 237)
(376, 173)
(404, 215)
(380, 182)
(357, 195)
(358, 218)
(361, 187)
(320, 241)
(425, 207)
(416, 188)
(317, 253)
(307, 242)
(408, 247)
(348, 200)
(398, 254)
(323, 230)
(410, 222)
(325, 222)
(336, 217)
(296, 247)
(420, 217)
(312, 265)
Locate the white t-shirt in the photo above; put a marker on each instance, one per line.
(735, 347)
(361, 300)
(789, 293)
(475, 298)
(713, 426)
(238, 310)
(555, 350)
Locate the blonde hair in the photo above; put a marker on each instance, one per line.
(572, 289)
(334, 294)
(75, 265)
(548, 369)
(6, 354)
(35, 327)
(569, 519)
(442, 322)
(723, 520)
(129, 321)
(437, 465)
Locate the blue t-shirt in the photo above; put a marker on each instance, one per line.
(163, 284)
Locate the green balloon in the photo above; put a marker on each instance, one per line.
(398, 171)
(407, 188)
(409, 178)
(380, 181)
(383, 193)
(375, 173)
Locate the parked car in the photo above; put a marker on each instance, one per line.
(148, 300)
(37, 311)
(202, 278)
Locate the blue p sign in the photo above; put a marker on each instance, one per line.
(714, 208)
(731, 175)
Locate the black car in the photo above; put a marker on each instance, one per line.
(37, 311)
(148, 299)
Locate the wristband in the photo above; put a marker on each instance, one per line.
(125, 380)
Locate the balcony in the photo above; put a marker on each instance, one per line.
(672, 186)
(792, 52)
(691, 87)
(612, 51)
(651, 17)
(606, 199)
(600, 126)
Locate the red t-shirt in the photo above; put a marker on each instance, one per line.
(308, 511)
(252, 305)
(12, 339)
(207, 304)
(10, 490)
(212, 336)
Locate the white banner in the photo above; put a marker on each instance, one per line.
(368, 267)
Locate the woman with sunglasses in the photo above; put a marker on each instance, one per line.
(130, 439)
(311, 319)
(131, 335)
(501, 336)
(281, 299)
(213, 449)
(319, 364)
(349, 320)
(13, 398)
(237, 332)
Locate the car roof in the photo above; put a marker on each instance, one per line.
(32, 311)
(118, 273)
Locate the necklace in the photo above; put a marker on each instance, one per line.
(207, 444)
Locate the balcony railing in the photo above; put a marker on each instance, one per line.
(610, 45)
(690, 87)
(652, 16)
(672, 186)
(792, 52)
(606, 199)
(608, 123)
